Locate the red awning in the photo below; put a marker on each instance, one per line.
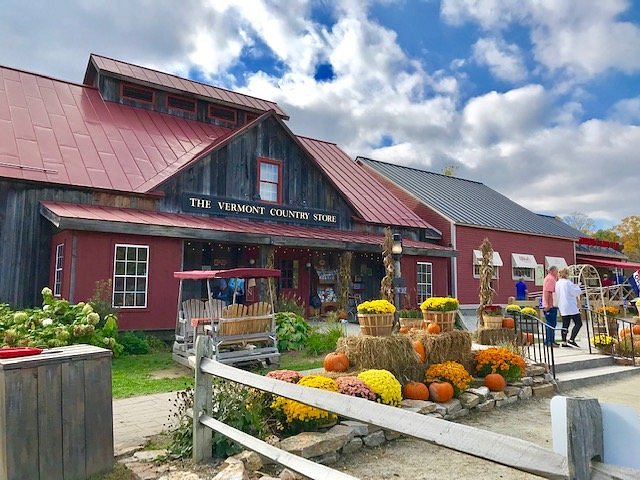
(230, 273)
(600, 262)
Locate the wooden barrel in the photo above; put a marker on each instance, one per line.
(376, 325)
(445, 320)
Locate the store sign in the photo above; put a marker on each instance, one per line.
(263, 211)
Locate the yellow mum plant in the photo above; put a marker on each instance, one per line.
(440, 304)
(513, 308)
(500, 360)
(609, 310)
(376, 307)
(602, 341)
(295, 412)
(384, 385)
(451, 372)
(529, 311)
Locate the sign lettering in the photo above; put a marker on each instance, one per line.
(230, 208)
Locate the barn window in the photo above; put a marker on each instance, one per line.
(222, 113)
(57, 276)
(136, 93)
(130, 276)
(270, 180)
(496, 262)
(424, 281)
(523, 266)
(181, 103)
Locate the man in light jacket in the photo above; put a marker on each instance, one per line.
(567, 294)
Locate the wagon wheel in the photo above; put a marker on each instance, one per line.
(588, 277)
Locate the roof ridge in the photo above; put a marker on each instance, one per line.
(183, 78)
(419, 170)
(49, 77)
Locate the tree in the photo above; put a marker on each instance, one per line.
(450, 170)
(608, 235)
(580, 221)
(629, 231)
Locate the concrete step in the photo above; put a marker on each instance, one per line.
(580, 378)
(582, 362)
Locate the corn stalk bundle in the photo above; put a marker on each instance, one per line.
(386, 285)
(345, 279)
(486, 275)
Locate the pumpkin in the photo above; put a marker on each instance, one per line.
(404, 329)
(440, 391)
(433, 328)
(624, 332)
(418, 346)
(415, 391)
(336, 362)
(636, 329)
(508, 323)
(495, 382)
(527, 338)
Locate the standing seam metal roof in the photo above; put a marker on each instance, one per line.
(467, 202)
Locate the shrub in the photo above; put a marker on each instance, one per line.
(290, 303)
(292, 331)
(324, 342)
(134, 343)
(101, 299)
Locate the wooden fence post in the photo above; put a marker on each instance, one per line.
(202, 402)
(584, 436)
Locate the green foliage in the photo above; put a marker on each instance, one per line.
(56, 324)
(324, 341)
(146, 374)
(410, 314)
(292, 331)
(181, 443)
(101, 299)
(134, 343)
(290, 303)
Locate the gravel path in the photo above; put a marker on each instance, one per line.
(417, 460)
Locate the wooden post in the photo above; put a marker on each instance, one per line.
(202, 402)
(584, 436)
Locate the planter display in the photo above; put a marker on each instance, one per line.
(492, 321)
(445, 320)
(376, 325)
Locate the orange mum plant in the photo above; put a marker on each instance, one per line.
(502, 361)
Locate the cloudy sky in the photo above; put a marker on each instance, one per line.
(539, 99)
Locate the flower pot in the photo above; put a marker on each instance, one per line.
(445, 320)
(376, 324)
(491, 321)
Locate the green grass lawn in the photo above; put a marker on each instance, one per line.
(146, 374)
(300, 361)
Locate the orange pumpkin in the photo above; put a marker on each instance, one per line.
(527, 338)
(404, 329)
(440, 391)
(415, 391)
(495, 382)
(636, 329)
(624, 332)
(418, 346)
(433, 328)
(508, 323)
(336, 362)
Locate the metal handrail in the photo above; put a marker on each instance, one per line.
(603, 321)
(525, 324)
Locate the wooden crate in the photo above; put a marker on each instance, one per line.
(56, 418)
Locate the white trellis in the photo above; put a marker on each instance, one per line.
(593, 294)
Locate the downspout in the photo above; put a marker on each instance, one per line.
(72, 275)
(454, 263)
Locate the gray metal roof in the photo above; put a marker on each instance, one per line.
(466, 202)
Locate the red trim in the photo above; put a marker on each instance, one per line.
(607, 263)
(139, 88)
(278, 163)
(184, 99)
(250, 117)
(220, 107)
(230, 273)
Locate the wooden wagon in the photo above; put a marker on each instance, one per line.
(242, 331)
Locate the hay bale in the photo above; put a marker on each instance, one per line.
(496, 336)
(448, 346)
(393, 353)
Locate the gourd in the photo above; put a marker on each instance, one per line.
(404, 330)
(508, 322)
(415, 391)
(495, 382)
(418, 346)
(440, 391)
(433, 328)
(336, 362)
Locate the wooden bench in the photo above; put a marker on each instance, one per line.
(239, 319)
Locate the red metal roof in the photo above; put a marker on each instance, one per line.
(230, 273)
(602, 262)
(155, 77)
(374, 202)
(143, 217)
(60, 132)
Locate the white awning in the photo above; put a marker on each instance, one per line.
(557, 262)
(477, 258)
(523, 260)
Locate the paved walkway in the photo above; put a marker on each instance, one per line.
(137, 418)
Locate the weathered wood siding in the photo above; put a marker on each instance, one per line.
(232, 172)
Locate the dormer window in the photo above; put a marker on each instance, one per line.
(181, 103)
(137, 93)
(270, 180)
(222, 113)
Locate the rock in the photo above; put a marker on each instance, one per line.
(412, 410)
(511, 391)
(481, 392)
(267, 477)
(352, 446)
(374, 439)
(149, 455)
(252, 461)
(343, 430)
(543, 390)
(457, 414)
(497, 396)
(548, 377)
(525, 392)
(506, 401)
(527, 381)
(391, 435)
(469, 400)
(313, 444)
(486, 406)
(452, 406)
(361, 429)
(534, 370)
(232, 471)
(287, 474)
(419, 406)
(180, 476)
(328, 458)
(441, 409)
(539, 380)
(434, 415)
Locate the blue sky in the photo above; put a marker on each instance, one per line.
(538, 99)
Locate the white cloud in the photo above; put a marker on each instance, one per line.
(626, 110)
(503, 59)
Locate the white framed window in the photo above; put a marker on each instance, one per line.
(424, 272)
(476, 272)
(57, 275)
(523, 265)
(525, 273)
(130, 276)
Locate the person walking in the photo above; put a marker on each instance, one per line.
(548, 306)
(567, 294)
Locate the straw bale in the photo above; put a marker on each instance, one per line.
(496, 336)
(448, 346)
